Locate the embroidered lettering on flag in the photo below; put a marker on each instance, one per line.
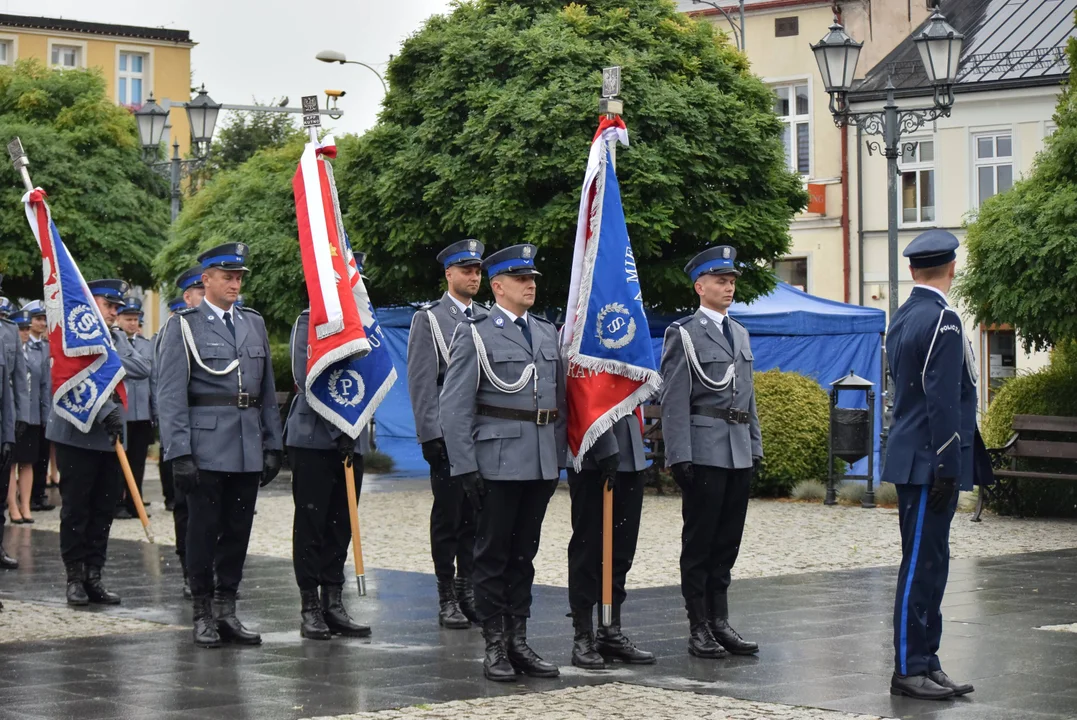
(85, 366)
(606, 339)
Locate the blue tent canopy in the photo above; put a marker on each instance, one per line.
(791, 330)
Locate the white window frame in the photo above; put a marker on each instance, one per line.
(65, 42)
(807, 258)
(978, 162)
(917, 167)
(12, 41)
(793, 120)
(147, 69)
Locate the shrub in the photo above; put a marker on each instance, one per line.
(852, 493)
(794, 416)
(886, 494)
(1050, 391)
(377, 462)
(809, 490)
(282, 366)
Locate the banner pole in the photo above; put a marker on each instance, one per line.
(353, 517)
(132, 489)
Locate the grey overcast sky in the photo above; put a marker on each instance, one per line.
(264, 49)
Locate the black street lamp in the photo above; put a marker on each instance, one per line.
(940, 51)
(737, 28)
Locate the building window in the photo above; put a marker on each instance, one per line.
(793, 271)
(66, 57)
(791, 104)
(917, 168)
(131, 76)
(7, 52)
(994, 165)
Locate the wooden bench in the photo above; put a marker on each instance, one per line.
(1037, 438)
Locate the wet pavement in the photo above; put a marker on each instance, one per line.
(825, 638)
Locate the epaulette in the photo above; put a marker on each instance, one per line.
(430, 305)
(735, 321)
(252, 311)
(187, 311)
(542, 319)
(682, 321)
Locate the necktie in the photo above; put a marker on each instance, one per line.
(522, 324)
(727, 332)
(228, 324)
(467, 312)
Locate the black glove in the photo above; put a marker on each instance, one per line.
(434, 452)
(941, 494)
(683, 475)
(474, 488)
(271, 462)
(607, 471)
(20, 428)
(113, 424)
(345, 447)
(5, 454)
(185, 474)
(757, 463)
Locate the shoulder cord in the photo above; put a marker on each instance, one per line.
(484, 363)
(693, 362)
(439, 339)
(970, 362)
(188, 338)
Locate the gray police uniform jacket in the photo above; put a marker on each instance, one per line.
(15, 362)
(428, 351)
(7, 396)
(37, 364)
(220, 438)
(625, 439)
(139, 405)
(61, 431)
(504, 449)
(700, 439)
(155, 370)
(306, 428)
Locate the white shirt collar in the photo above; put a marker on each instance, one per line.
(713, 315)
(935, 290)
(220, 311)
(459, 304)
(512, 318)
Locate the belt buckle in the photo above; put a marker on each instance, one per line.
(542, 417)
(243, 401)
(733, 418)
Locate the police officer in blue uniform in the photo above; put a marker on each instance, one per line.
(91, 471)
(452, 521)
(37, 350)
(221, 429)
(502, 411)
(139, 415)
(28, 443)
(168, 488)
(934, 450)
(7, 428)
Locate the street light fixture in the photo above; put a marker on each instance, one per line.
(202, 116)
(335, 56)
(940, 46)
(151, 119)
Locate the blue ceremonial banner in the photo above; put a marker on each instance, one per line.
(85, 365)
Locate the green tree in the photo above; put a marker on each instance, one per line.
(110, 208)
(245, 133)
(1022, 246)
(487, 123)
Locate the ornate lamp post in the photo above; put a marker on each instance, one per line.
(738, 28)
(940, 51)
(335, 56)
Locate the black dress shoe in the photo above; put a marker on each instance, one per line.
(228, 625)
(524, 660)
(312, 624)
(336, 615)
(95, 590)
(449, 614)
(170, 505)
(495, 661)
(730, 639)
(76, 590)
(41, 505)
(612, 644)
(584, 654)
(941, 678)
(920, 687)
(121, 514)
(206, 634)
(6, 561)
(701, 642)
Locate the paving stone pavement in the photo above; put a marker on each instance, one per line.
(1067, 628)
(615, 701)
(34, 621)
(780, 537)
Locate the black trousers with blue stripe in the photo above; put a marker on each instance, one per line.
(925, 564)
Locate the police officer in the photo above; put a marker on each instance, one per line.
(934, 450)
(617, 459)
(321, 529)
(27, 451)
(712, 439)
(193, 291)
(139, 414)
(91, 471)
(38, 346)
(221, 429)
(168, 488)
(7, 419)
(452, 522)
(15, 379)
(502, 414)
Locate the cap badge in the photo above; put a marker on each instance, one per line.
(725, 253)
(241, 249)
(527, 252)
(499, 321)
(472, 246)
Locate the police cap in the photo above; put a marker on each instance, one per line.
(36, 308)
(230, 256)
(6, 307)
(932, 248)
(191, 278)
(21, 318)
(515, 260)
(176, 304)
(131, 305)
(718, 260)
(465, 252)
(112, 290)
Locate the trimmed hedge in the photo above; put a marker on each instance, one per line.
(282, 366)
(794, 417)
(1050, 391)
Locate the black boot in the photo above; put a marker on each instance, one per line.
(336, 615)
(701, 642)
(186, 580)
(228, 625)
(465, 598)
(76, 591)
(584, 654)
(206, 634)
(718, 621)
(495, 663)
(449, 615)
(613, 645)
(6, 561)
(523, 658)
(313, 626)
(95, 590)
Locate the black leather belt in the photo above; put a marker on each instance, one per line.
(241, 401)
(731, 416)
(539, 417)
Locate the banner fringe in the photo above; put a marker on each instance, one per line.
(610, 418)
